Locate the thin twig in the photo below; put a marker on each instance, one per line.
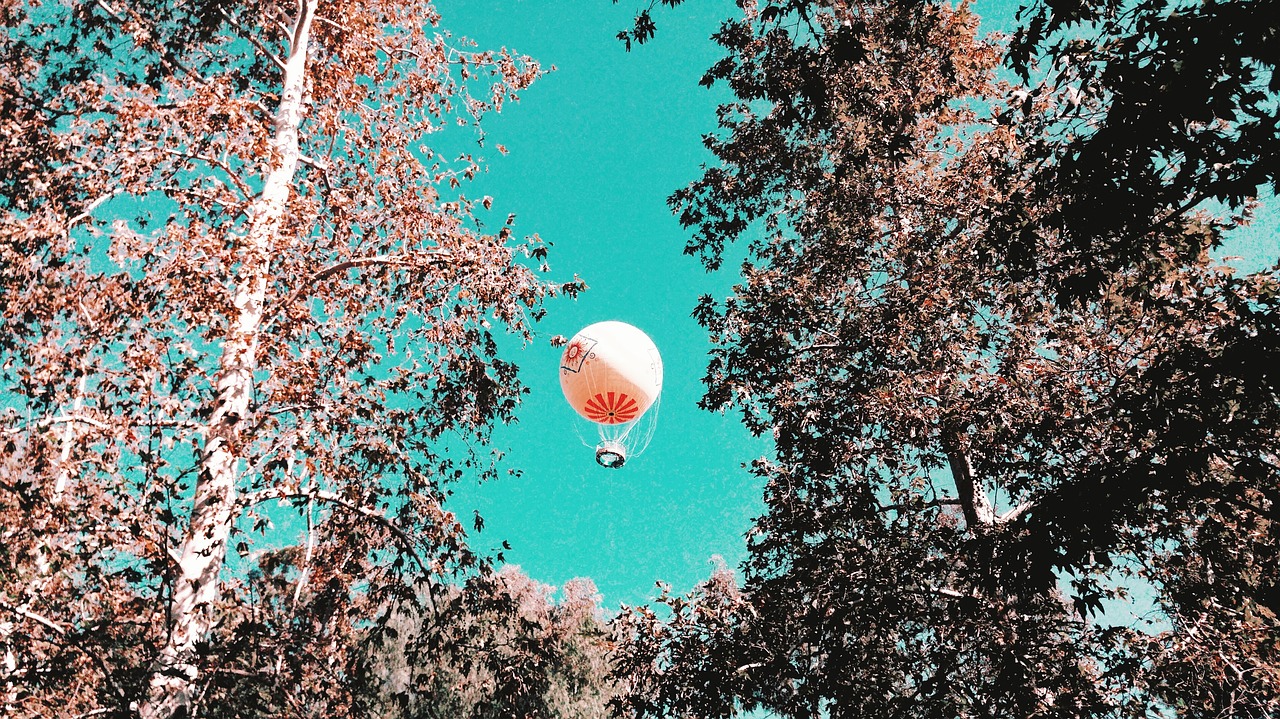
(244, 33)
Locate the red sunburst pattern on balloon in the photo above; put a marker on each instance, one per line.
(611, 408)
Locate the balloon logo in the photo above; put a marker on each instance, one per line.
(611, 374)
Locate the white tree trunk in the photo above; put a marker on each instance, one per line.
(196, 590)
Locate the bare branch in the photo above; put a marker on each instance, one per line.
(946, 592)
(332, 24)
(943, 502)
(73, 418)
(312, 162)
(99, 424)
(110, 10)
(68, 437)
(1016, 512)
(400, 260)
(214, 162)
(301, 26)
(88, 210)
(282, 27)
(202, 195)
(818, 347)
(65, 639)
(166, 58)
(285, 409)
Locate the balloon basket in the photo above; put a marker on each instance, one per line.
(611, 455)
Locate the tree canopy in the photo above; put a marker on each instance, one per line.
(241, 299)
(982, 315)
(1006, 379)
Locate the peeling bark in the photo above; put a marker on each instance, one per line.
(196, 590)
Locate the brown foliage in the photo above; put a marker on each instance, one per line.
(995, 407)
(504, 649)
(237, 289)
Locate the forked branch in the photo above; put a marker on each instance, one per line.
(973, 501)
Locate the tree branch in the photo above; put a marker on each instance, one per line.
(244, 33)
(166, 58)
(818, 347)
(400, 260)
(115, 14)
(947, 592)
(68, 436)
(201, 195)
(1016, 512)
(406, 539)
(943, 502)
(66, 640)
(309, 161)
(99, 424)
(88, 210)
(973, 500)
(37, 618)
(72, 418)
(214, 162)
(332, 24)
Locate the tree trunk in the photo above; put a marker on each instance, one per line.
(978, 512)
(196, 590)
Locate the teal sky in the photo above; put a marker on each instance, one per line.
(595, 149)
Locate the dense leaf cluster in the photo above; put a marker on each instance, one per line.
(1006, 381)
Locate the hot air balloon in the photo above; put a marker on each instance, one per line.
(611, 374)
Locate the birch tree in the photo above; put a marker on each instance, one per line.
(243, 300)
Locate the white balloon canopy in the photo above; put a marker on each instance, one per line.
(611, 374)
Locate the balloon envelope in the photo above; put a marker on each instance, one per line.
(611, 373)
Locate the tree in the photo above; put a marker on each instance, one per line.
(238, 290)
(1162, 106)
(503, 649)
(996, 401)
